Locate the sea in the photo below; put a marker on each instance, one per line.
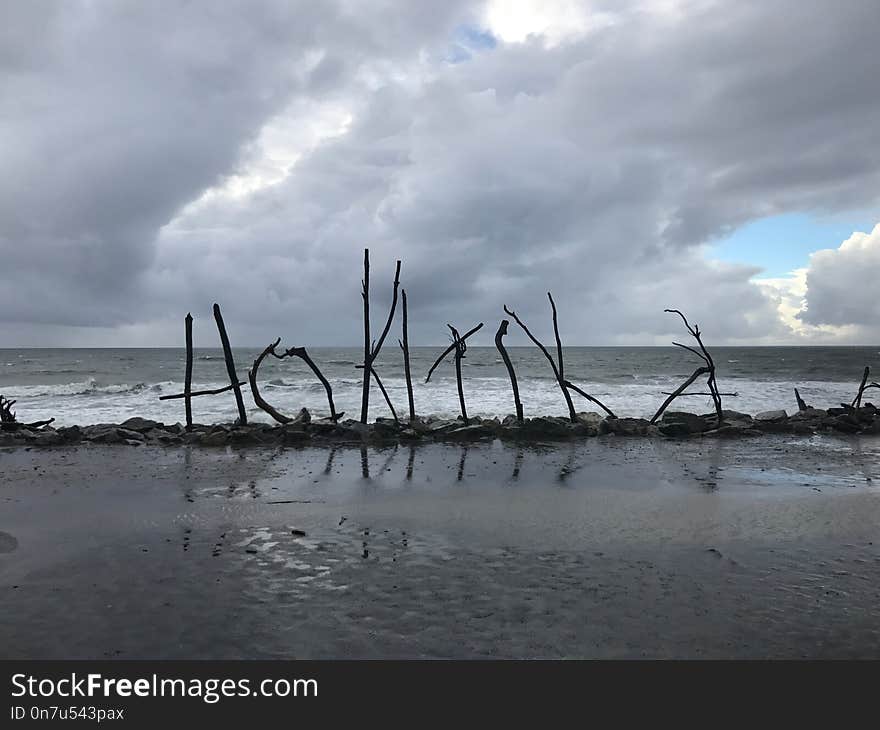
(88, 386)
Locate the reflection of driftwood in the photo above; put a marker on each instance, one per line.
(802, 406)
(459, 345)
(371, 351)
(558, 366)
(230, 365)
(255, 391)
(707, 369)
(499, 343)
(450, 349)
(404, 345)
(863, 386)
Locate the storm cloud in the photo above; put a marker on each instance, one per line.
(162, 156)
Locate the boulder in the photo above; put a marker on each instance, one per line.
(214, 438)
(290, 436)
(628, 427)
(141, 424)
(681, 423)
(771, 416)
(546, 427)
(474, 432)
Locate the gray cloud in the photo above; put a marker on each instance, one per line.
(594, 168)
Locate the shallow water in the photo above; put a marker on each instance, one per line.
(605, 548)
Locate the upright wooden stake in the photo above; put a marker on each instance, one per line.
(187, 382)
(405, 347)
(502, 330)
(459, 354)
(368, 370)
(230, 365)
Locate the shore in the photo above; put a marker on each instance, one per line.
(755, 547)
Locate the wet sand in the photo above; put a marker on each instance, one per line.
(606, 548)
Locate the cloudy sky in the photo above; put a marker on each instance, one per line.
(719, 157)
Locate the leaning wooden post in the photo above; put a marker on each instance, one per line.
(230, 365)
(365, 293)
(459, 354)
(857, 401)
(499, 335)
(187, 382)
(404, 345)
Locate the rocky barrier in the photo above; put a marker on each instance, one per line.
(305, 430)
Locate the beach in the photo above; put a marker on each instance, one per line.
(598, 548)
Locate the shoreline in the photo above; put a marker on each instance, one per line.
(303, 429)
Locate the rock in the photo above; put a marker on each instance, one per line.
(846, 424)
(510, 421)
(733, 430)
(292, 436)
(441, 426)
(141, 424)
(475, 432)
(771, 416)
(590, 418)
(70, 434)
(628, 427)
(546, 427)
(214, 438)
(302, 418)
(809, 414)
(410, 434)
(681, 423)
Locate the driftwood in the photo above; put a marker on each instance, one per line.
(559, 367)
(682, 395)
(7, 415)
(230, 365)
(371, 351)
(863, 386)
(255, 391)
(459, 345)
(499, 344)
(8, 419)
(450, 349)
(197, 393)
(707, 369)
(802, 405)
(301, 353)
(404, 345)
(187, 382)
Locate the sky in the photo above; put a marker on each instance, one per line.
(722, 158)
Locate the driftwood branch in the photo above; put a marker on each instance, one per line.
(230, 365)
(589, 397)
(404, 345)
(7, 415)
(681, 395)
(499, 343)
(197, 393)
(450, 349)
(372, 349)
(459, 346)
(802, 406)
(301, 353)
(556, 372)
(365, 293)
(857, 401)
(385, 395)
(460, 349)
(187, 378)
(255, 391)
(672, 396)
(708, 369)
